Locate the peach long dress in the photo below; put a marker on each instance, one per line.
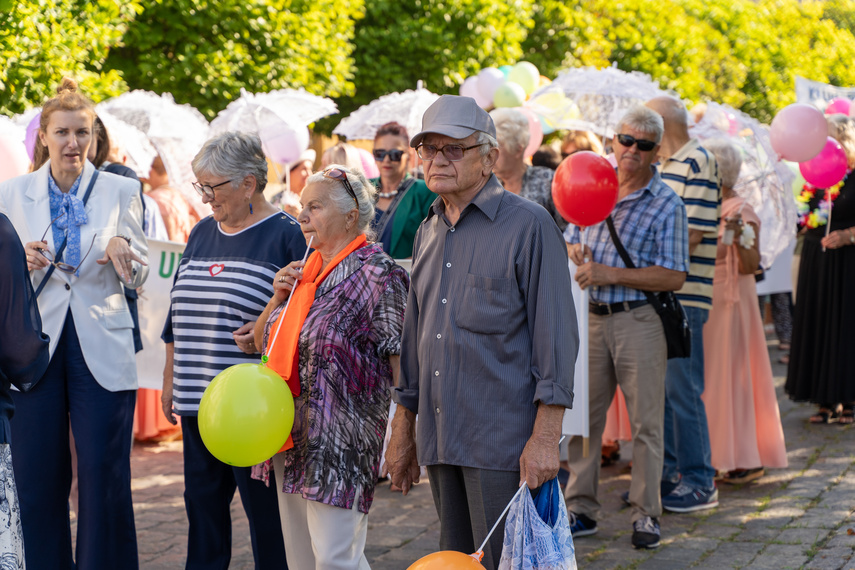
(742, 408)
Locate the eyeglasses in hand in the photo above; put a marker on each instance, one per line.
(207, 190)
(341, 176)
(62, 266)
(451, 152)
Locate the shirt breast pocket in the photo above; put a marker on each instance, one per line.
(485, 304)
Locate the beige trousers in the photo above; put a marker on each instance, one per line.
(626, 349)
(319, 536)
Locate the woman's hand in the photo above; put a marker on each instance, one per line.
(734, 223)
(285, 279)
(245, 338)
(120, 253)
(35, 260)
(836, 239)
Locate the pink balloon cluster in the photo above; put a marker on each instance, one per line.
(828, 167)
(839, 105)
(798, 132)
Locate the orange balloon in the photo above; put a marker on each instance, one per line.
(447, 560)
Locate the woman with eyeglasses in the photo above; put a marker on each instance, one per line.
(337, 345)
(531, 182)
(222, 284)
(84, 242)
(402, 200)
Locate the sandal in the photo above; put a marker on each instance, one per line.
(739, 476)
(825, 416)
(784, 359)
(610, 454)
(847, 416)
(784, 346)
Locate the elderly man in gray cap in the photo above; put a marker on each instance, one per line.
(490, 338)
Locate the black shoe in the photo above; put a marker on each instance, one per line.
(581, 525)
(645, 533)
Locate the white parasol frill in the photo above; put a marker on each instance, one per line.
(406, 108)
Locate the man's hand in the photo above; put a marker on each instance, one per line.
(592, 274)
(401, 459)
(539, 461)
(577, 254)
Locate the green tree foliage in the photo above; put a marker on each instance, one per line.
(205, 51)
(438, 41)
(40, 42)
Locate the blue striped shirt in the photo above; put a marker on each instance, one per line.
(223, 282)
(652, 226)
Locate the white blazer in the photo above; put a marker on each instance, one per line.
(96, 298)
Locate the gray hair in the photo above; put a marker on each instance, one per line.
(233, 155)
(487, 141)
(729, 160)
(645, 120)
(842, 129)
(365, 194)
(511, 128)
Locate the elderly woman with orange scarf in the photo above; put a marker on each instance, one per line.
(337, 346)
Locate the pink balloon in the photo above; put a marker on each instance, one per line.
(535, 131)
(469, 88)
(798, 132)
(369, 165)
(827, 168)
(489, 79)
(13, 158)
(32, 133)
(838, 105)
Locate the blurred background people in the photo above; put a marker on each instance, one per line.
(178, 215)
(574, 141)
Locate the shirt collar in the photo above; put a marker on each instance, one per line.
(685, 150)
(487, 200)
(654, 186)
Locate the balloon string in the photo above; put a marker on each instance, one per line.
(828, 223)
(480, 550)
(288, 302)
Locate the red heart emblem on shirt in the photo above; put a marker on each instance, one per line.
(216, 269)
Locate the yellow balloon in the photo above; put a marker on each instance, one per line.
(447, 560)
(246, 414)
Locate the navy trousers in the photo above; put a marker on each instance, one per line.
(102, 423)
(209, 486)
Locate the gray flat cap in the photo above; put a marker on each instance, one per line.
(456, 117)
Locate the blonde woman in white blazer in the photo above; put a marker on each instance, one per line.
(91, 381)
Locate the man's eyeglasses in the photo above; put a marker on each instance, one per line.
(341, 176)
(64, 267)
(628, 141)
(206, 189)
(394, 155)
(451, 152)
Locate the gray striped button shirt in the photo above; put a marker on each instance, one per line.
(489, 331)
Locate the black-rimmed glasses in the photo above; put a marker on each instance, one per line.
(451, 152)
(394, 155)
(206, 189)
(628, 141)
(341, 176)
(62, 266)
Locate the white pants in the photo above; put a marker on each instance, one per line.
(319, 536)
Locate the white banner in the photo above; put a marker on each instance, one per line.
(576, 420)
(820, 94)
(153, 306)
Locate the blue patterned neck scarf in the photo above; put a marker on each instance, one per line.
(67, 226)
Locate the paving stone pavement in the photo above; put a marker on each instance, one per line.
(799, 517)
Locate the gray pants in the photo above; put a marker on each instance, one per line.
(468, 502)
(626, 349)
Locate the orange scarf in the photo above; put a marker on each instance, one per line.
(285, 359)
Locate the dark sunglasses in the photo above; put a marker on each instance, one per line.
(64, 267)
(341, 176)
(451, 152)
(207, 190)
(394, 155)
(628, 141)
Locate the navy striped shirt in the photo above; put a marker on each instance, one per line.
(223, 282)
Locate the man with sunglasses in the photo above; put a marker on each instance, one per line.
(490, 339)
(626, 341)
(691, 171)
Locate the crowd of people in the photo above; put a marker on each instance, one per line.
(464, 361)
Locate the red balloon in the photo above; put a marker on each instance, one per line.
(447, 560)
(585, 188)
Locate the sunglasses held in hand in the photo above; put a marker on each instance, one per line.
(62, 266)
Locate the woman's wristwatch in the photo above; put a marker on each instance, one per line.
(126, 238)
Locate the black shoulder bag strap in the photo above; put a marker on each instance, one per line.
(59, 251)
(627, 260)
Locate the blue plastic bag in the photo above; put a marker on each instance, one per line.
(537, 533)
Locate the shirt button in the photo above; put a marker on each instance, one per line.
(444, 301)
(436, 373)
(448, 264)
(439, 336)
(452, 230)
(437, 410)
(67, 287)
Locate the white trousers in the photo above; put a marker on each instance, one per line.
(319, 536)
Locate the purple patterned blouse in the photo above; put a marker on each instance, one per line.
(352, 328)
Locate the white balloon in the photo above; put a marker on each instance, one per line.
(489, 79)
(469, 88)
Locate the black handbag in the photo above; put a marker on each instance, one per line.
(678, 335)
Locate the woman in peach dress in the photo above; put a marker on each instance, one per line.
(742, 408)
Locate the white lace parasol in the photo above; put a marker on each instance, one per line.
(10, 129)
(406, 108)
(601, 95)
(250, 112)
(764, 181)
(136, 145)
(176, 131)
